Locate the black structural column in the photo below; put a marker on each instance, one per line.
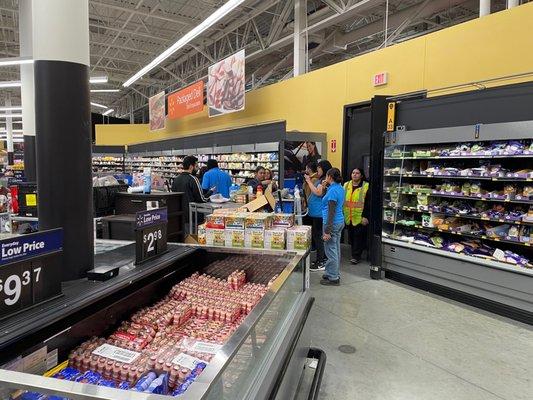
(27, 90)
(63, 126)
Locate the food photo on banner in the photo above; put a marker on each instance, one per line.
(186, 101)
(226, 85)
(156, 106)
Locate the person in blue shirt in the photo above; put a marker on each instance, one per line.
(333, 222)
(216, 179)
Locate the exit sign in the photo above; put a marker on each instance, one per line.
(381, 79)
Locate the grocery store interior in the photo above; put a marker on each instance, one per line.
(266, 200)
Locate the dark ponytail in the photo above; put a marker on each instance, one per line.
(335, 174)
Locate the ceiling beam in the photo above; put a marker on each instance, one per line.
(174, 19)
(334, 6)
(341, 40)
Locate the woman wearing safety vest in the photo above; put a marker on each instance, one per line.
(356, 210)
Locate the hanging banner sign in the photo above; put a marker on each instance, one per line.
(156, 106)
(226, 85)
(186, 101)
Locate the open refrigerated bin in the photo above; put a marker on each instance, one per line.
(262, 356)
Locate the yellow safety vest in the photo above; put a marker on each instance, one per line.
(354, 203)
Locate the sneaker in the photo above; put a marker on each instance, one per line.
(317, 266)
(328, 282)
(354, 261)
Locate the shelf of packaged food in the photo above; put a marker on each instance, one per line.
(465, 234)
(460, 197)
(466, 216)
(200, 161)
(462, 157)
(243, 169)
(459, 256)
(474, 177)
(247, 161)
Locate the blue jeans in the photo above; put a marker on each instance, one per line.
(333, 252)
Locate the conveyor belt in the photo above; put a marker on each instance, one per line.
(82, 293)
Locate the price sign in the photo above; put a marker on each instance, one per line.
(29, 270)
(151, 234)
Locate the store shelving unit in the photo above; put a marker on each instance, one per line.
(239, 151)
(458, 211)
(239, 165)
(108, 160)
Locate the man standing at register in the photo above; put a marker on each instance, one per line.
(216, 179)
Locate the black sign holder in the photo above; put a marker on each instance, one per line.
(150, 234)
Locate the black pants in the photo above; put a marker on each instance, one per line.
(357, 236)
(316, 234)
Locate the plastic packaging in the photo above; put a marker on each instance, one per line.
(147, 175)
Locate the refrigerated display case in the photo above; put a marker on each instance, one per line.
(458, 211)
(262, 358)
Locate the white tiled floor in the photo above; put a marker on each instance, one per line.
(414, 345)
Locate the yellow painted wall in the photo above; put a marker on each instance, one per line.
(497, 45)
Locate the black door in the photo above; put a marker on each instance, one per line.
(357, 135)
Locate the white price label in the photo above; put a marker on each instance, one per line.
(152, 238)
(204, 347)
(186, 361)
(116, 353)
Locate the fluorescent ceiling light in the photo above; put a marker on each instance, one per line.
(98, 105)
(192, 34)
(98, 79)
(10, 108)
(12, 116)
(105, 90)
(4, 62)
(9, 84)
(108, 112)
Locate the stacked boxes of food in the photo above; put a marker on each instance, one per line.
(254, 230)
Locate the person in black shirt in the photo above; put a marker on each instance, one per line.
(187, 183)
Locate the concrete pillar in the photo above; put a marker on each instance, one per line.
(63, 123)
(513, 3)
(27, 93)
(300, 39)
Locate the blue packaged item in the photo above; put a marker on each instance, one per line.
(201, 366)
(89, 377)
(32, 396)
(124, 385)
(67, 373)
(145, 381)
(159, 385)
(105, 382)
